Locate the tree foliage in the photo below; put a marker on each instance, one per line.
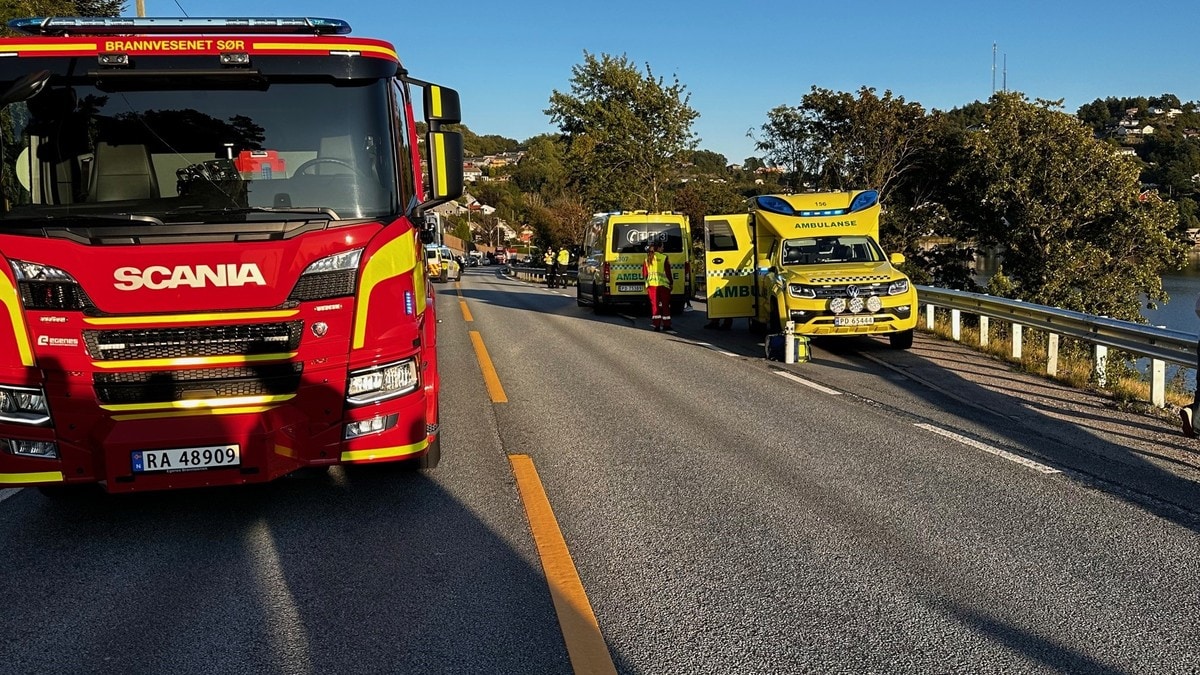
(1064, 208)
(624, 131)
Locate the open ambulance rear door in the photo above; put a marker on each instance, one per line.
(729, 266)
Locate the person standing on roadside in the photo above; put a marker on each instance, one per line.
(564, 261)
(1188, 414)
(551, 266)
(657, 273)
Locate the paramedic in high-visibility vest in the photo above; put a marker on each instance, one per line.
(551, 266)
(657, 273)
(564, 259)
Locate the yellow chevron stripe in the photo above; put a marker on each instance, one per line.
(36, 477)
(189, 318)
(200, 403)
(384, 453)
(188, 361)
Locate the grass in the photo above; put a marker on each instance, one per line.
(1124, 384)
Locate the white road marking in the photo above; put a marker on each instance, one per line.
(707, 345)
(1036, 466)
(814, 385)
(8, 492)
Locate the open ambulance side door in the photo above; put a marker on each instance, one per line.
(729, 266)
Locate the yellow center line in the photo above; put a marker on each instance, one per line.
(585, 644)
(490, 378)
(465, 311)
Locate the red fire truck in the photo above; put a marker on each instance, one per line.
(211, 237)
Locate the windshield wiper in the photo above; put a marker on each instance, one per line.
(302, 210)
(75, 218)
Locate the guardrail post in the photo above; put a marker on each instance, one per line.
(929, 316)
(956, 324)
(983, 331)
(1052, 355)
(1016, 341)
(1101, 364)
(1158, 383)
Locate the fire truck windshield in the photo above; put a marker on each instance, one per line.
(199, 154)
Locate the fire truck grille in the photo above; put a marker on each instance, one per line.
(324, 286)
(199, 341)
(178, 385)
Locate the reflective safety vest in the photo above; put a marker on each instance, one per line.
(548, 258)
(657, 270)
(564, 257)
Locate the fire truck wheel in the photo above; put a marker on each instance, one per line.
(431, 458)
(901, 340)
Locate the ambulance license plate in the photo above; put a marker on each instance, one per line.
(630, 288)
(853, 320)
(187, 459)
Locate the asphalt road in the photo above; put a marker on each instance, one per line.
(871, 511)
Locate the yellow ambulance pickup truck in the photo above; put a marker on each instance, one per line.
(813, 259)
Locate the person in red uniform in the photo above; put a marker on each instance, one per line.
(657, 273)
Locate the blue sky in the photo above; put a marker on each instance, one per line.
(739, 60)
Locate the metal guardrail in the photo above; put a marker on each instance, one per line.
(571, 277)
(1160, 345)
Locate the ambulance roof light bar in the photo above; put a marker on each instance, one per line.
(78, 25)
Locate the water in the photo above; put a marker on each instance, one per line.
(1179, 312)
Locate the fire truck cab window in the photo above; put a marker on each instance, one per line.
(173, 154)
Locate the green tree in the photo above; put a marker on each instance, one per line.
(786, 138)
(541, 170)
(1064, 209)
(625, 132)
(19, 9)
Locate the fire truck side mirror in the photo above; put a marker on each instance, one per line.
(445, 166)
(441, 106)
(25, 88)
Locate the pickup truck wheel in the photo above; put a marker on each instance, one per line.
(901, 340)
(776, 322)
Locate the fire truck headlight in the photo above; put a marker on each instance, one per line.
(382, 382)
(46, 287)
(21, 448)
(23, 405)
(837, 305)
(898, 287)
(802, 291)
(346, 260)
(375, 425)
(330, 277)
(874, 304)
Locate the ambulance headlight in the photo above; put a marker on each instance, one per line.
(382, 382)
(23, 405)
(898, 287)
(874, 304)
(802, 291)
(837, 305)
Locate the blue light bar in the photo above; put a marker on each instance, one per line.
(80, 25)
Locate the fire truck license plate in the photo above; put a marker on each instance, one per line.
(185, 459)
(629, 288)
(853, 320)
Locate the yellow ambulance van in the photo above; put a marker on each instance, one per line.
(614, 249)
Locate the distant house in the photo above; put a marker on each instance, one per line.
(1126, 150)
(471, 172)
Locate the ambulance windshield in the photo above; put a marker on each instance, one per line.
(821, 250)
(199, 154)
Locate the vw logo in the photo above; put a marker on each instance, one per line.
(852, 291)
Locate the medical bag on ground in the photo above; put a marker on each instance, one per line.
(776, 347)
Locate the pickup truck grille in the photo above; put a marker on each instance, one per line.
(194, 341)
